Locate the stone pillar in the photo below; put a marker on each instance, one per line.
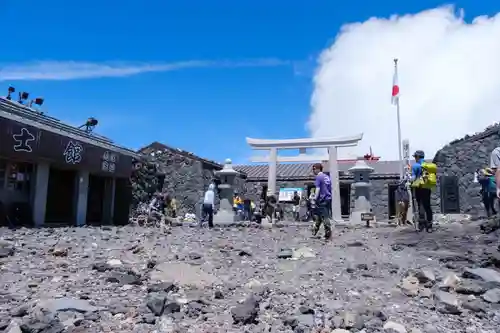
(227, 177)
(334, 176)
(40, 198)
(406, 157)
(82, 197)
(361, 172)
(273, 161)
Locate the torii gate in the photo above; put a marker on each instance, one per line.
(303, 144)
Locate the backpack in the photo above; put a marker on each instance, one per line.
(429, 178)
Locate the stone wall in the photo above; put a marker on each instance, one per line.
(461, 158)
(185, 177)
(380, 196)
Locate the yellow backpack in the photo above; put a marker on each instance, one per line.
(429, 177)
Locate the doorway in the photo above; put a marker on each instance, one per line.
(345, 199)
(95, 199)
(449, 193)
(391, 205)
(160, 179)
(60, 208)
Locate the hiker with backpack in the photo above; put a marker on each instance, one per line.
(423, 181)
(488, 190)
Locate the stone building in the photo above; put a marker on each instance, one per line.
(174, 171)
(52, 173)
(457, 163)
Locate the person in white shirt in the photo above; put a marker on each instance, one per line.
(495, 165)
(208, 205)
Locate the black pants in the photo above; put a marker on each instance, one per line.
(322, 213)
(489, 200)
(208, 210)
(423, 198)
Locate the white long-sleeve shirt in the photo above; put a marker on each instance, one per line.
(209, 198)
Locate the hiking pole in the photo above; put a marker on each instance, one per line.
(414, 209)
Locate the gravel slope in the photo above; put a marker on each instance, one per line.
(133, 279)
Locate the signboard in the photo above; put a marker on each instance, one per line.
(286, 194)
(406, 149)
(367, 217)
(20, 141)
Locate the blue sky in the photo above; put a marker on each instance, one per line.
(207, 109)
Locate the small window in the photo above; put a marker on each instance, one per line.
(19, 177)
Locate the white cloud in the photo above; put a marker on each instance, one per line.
(72, 70)
(449, 78)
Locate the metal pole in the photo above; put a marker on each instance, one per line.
(400, 143)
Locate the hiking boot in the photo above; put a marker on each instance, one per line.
(328, 236)
(421, 225)
(428, 227)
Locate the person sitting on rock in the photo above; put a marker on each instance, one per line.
(488, 190)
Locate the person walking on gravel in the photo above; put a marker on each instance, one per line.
(488, 190)
(323, 196)
(208, 206)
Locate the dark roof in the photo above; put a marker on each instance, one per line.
(21, 113)
(304, 170)
(155, 146)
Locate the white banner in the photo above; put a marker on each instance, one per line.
(286, 194)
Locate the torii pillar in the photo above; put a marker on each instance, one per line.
(332, 144)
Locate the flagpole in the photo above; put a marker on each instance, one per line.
(400, 143)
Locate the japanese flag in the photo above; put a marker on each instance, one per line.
(395, 87)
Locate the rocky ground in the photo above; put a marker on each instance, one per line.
(134, 279)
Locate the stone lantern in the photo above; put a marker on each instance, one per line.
(227, 176)
(362, 186)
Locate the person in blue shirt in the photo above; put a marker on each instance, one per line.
(322, 201)
(488, 190)
(422, 195)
